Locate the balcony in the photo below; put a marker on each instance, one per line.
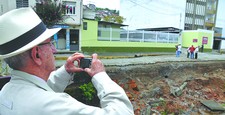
(209, 24)
(217, 35)
(73, 14)
(211, 11)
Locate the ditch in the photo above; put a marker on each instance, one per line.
(167, 87)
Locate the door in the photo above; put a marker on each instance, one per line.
(74, 40)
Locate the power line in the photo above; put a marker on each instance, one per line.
(151, 9)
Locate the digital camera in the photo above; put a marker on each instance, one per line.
(85, 62)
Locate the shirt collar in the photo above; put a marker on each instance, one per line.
(23, 77)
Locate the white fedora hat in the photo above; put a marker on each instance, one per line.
(20, 30)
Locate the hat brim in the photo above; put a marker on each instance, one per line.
(44, 36)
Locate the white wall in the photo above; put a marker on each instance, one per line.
(74, 19)
(222, 47)
(220, 19)
(153, 13)
(7, 5)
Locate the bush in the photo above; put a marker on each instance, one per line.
(88, 91)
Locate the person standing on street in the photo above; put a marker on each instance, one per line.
(192, 49)
(196, 52)
(36, 86)
(178, 50)
(188, 52)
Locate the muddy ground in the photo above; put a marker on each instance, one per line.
(170, 87)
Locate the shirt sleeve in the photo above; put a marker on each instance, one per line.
(59, 79)
(113, 100)
(111, 95)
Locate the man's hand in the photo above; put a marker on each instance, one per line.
(70, 66)
(96, 66)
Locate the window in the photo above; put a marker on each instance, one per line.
(84, 25)
(70, 8)
(99, 33)
(22, 3)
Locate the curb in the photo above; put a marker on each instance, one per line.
(114, 57)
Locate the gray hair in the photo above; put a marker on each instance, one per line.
(18, 61)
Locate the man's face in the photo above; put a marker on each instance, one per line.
(48, 60)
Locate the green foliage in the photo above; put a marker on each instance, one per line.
(119, 19)
(88, 91)
(4, 69)
(112, 16)
(50, 12)
(223, 103)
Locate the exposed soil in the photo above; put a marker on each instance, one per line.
(149, 86)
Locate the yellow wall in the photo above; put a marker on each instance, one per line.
(189, 35)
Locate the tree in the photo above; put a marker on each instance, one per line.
(114, 18)
(108, 15)
(50, 12)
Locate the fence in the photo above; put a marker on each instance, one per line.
(110, 34)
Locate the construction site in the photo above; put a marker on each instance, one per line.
(165, 84)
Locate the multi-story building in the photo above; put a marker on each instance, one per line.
(6, 5)
(200, 14)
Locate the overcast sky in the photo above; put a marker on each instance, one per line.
(140, 15)
(111, 4)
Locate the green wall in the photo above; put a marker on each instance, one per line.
(89, 43)
(188, 37)
(90, 35)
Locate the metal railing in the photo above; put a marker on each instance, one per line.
(109, 34)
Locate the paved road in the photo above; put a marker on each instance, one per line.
(121, 59)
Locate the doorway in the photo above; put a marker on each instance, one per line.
(74, 40)
(216, 44)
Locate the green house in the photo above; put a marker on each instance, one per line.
(97, 36)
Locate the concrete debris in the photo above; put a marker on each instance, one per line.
(212, 105)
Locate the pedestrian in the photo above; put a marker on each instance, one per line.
(192, 49)
(196, 52)
(178, 50)
(188, 52)
(36, 87)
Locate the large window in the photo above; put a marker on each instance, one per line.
(70, 8)
(22, 3)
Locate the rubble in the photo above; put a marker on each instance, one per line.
(178, 93)
(149, 87)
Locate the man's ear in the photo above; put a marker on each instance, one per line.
(35, 55)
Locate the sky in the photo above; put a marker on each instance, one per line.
(153, 13)
(111, 4)
(140, 13)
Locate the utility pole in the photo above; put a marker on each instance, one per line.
(180, 20)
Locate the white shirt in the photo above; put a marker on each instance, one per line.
(179, 48)
(196, 50)
(26, 95)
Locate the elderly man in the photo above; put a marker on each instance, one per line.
(36, 88)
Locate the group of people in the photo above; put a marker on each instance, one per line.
(192, 52)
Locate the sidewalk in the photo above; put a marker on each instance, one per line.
(124, 59)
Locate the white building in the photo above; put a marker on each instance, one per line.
(220, 20)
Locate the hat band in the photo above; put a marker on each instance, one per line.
(22, 40)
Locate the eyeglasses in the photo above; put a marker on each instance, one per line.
(51, 43)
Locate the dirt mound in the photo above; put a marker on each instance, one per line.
(150, 87)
